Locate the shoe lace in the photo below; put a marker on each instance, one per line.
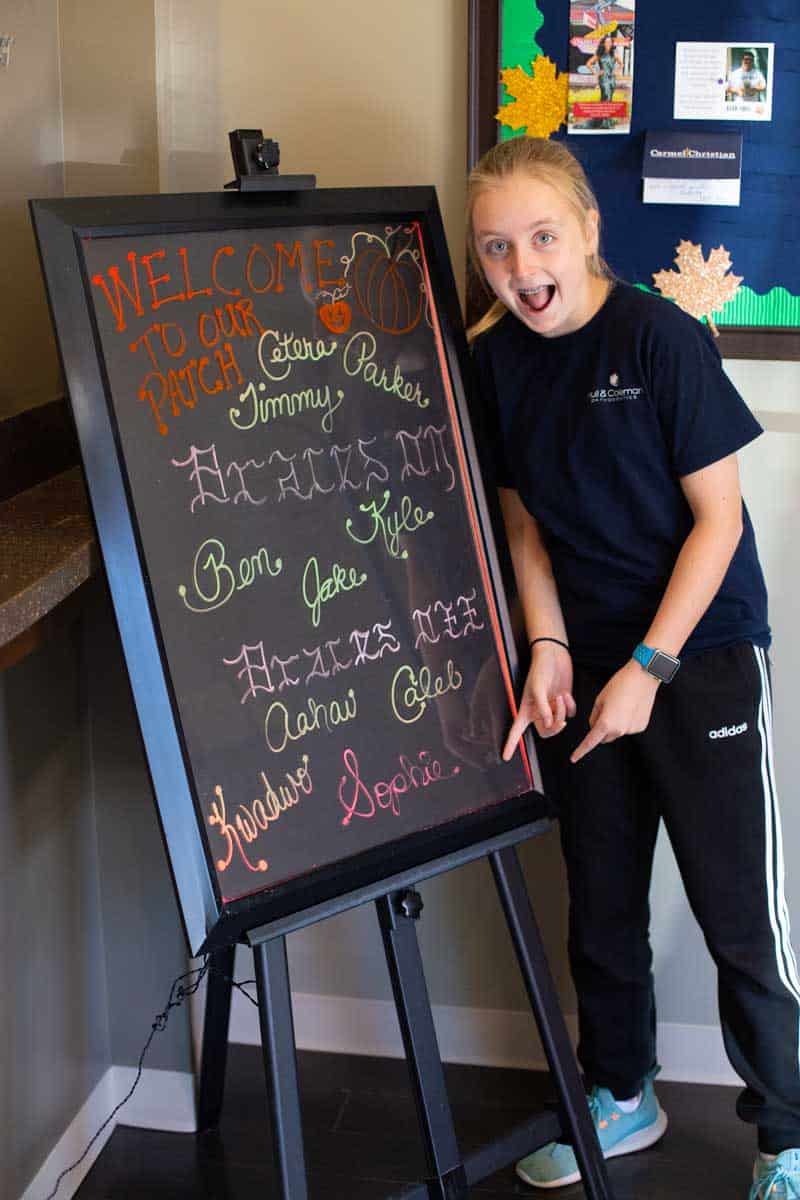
(770, 1185)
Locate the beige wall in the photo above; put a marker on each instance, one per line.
(32, 157)
(359, 94)
(78, 107)
(108, 64)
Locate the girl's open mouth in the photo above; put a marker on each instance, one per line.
(538, 298)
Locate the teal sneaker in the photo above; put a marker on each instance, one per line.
(555, 1164)
(777, 1180)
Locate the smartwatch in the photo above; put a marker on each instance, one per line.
(657, 663)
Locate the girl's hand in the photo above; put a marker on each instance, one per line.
(547, 696)
(623, 706)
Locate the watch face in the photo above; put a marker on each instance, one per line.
(663, 666)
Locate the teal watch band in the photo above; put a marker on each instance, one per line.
(658, 663)
(643, 654)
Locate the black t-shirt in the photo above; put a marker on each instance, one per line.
(595, 429)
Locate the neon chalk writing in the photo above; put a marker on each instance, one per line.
(311, 472)
(446, 618)
(412, 690)
(320, 589)
(418, 447)
(258, 410)
(358, 359)
(205, 474)
(366, 468)
(251, 820)
(280, 727)
(264, 672)
(179, 389)
(359, 799)
(130, 290)
(214, 581)
(408, 518)
(278, 352)
(213, 327)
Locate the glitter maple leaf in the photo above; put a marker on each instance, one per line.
(699, 287)
(540, 100)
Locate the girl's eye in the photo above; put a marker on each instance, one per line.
(544, 239)
(496, 247)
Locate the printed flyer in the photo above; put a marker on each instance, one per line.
(601, 66)
(718, 81)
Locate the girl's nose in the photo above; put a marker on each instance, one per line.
(522, 261)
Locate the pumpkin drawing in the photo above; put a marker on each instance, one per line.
(387, 287)
(336, 316)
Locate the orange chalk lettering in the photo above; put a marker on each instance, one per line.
(293, 259)
(121, 289)
(321, 262)
(154, 280)
(190, 291)
(228, 251)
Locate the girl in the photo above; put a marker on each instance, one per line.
(605, 64)
(613, 441)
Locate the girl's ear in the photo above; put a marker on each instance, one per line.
(591, 231)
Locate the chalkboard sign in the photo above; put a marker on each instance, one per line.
(268, 394)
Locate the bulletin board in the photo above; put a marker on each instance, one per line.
(762, 234)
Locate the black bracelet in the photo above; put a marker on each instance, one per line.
(547, 639)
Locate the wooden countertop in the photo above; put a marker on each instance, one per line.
(47, 551)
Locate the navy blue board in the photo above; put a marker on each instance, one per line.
(763, 234)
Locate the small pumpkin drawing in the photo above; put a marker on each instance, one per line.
(335, 316)
(387, 285)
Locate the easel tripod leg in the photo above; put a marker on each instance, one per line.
(397, 915)
(214, 1055)
(544, 1001)
(280, 1064)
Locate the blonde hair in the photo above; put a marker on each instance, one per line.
(537, 158)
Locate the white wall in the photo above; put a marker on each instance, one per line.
(770, 474)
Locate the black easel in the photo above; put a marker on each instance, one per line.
(399, 906)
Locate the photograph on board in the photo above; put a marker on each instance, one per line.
(601, 67)
(747, 82)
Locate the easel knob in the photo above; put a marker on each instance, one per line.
(411, 904)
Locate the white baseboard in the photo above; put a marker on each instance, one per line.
(162, 1100)
(481, 1036)
(73, 1142)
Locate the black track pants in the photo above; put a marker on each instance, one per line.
(704, 766)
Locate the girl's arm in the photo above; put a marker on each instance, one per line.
(713, 494)
(547, 696)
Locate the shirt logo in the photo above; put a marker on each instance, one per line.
(727, 731)
(613, 393)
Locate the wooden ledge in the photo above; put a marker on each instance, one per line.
(47, 551)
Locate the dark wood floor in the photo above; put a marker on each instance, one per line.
(362, 1143)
